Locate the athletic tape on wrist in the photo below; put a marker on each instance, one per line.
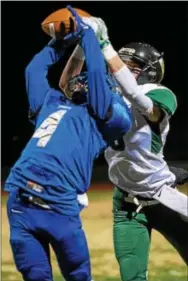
(109, 52)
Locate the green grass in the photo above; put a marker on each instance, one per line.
(3, 200)
(100, 195)
(160, 276)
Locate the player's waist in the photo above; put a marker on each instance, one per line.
(66, 205)
(64, 201)
(129, 196)
(139, 201)
(32, 199)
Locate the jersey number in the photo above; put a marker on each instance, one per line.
(48, 127)
(118, 145)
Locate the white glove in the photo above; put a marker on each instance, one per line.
(101, 31)
(98, 26)
(91, 22)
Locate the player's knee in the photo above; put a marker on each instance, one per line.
(36, 274)
(17, 245)
(131, 269)
(81, 273)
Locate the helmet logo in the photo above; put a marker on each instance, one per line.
(152, 73)
(130, 51)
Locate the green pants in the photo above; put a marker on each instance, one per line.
(132, 235)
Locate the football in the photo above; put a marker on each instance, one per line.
(61, 22)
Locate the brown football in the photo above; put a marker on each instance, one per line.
(61, 22)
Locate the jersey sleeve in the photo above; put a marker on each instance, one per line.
(37, 85)
(120, 121)
(165, 99)
(99, 95)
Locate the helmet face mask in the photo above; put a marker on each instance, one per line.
(77, 88)
(78, 84)
(148, 60)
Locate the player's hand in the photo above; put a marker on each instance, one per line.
(100, 29)
(73, 37)
(98, 26)
(57, 44)
(93, 23)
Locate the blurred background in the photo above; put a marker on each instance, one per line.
(161, 24)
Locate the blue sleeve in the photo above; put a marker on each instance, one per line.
(120, 121)
(36, 76)
(99, 96)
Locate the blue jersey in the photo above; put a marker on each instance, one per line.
(59, 156)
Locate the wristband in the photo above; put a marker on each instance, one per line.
(108, 50)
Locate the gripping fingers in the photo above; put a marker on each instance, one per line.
(102, 29)
(71, 38)
(80, 24)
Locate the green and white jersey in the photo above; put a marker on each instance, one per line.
(136, 162)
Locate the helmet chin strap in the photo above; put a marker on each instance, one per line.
(142, 79)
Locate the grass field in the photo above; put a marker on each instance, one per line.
(165, 264)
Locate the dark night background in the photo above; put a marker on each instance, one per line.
(162, 24)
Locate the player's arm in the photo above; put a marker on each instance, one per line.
(129, 86)
(37, 85)
(100, 98)
(125, 78)
(75, 62)
(122, 74)
(72, 68)
(99, 94)
(151, 104)
(105, 105)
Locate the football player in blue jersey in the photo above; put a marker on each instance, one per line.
(56, 164)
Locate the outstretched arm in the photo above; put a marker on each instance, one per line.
(99, 95)
(125, 78)
(129, 86)
(105, 104)
(37, 85)
(72, 68)
(101, 101)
